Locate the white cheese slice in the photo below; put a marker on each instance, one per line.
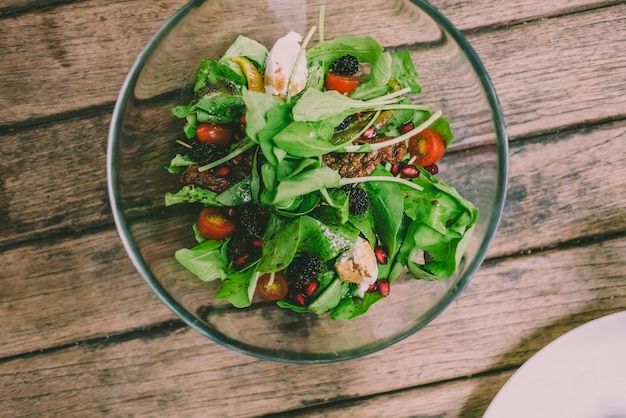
(279, 66)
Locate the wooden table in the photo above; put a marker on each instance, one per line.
(83, 335)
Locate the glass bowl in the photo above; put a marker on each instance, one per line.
(142, 141)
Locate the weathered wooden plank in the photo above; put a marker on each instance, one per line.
(79, 287)
(555, 189)
(81, 44)
(470, 16)
(513, 308)
(9, 7)
(54, 179)
(583, 82)
(468, 397)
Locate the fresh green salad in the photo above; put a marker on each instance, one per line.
(315, 175)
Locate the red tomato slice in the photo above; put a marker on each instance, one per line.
(213, 224)
(344, 85)
(427, 147)
(213, 133)
(275, 291)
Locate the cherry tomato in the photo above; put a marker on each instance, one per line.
(277, 290)
(213, 224)
(427, 147)
(213, 133)
(344, 85)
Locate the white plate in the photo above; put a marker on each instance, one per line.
(581, 374)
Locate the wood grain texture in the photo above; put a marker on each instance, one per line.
(466, 397)
(54, 293)
(83, 335)
(58, 171)
(489, 13)
(581, 85)
(508, 312)
(80, 44)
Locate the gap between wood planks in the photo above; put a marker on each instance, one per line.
(35, 6)
(519, 22)
(337, 404)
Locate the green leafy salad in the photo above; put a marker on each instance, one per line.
(315, 175)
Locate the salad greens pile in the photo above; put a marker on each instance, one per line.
(422, 223)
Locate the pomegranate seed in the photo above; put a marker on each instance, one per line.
(241, 260)
(384, 287)
(231, 212)
(369, 132)
(395, 169)
(372, 288)
(222, 172)
(242, 119)
(432, 169)
(381, 254)
(406, 127)
(409, 172)
(257, 243)
(237, 158)
(301, 299)
(312, 287)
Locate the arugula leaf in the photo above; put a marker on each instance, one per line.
(377, 82)
(387, 205)
(403, 71)
(280, 243)
(300, 206)
(301, 184)
(442, 127)
(243, 46)
(291, 167)
(216, 76)
(306, 139)
(257, 106)
(443, 222)
(219, 108)
(206, 260)
(239, 288)
(266, 116)
(179, 163)
(326, 241)
(218, 97)
(191, 194)
(350, 308)
(237, 194)
(285, 304)
(365, 224)
(339, 203)
(364, 48)
(330, 297)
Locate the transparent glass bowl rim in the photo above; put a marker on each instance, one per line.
(189, 319)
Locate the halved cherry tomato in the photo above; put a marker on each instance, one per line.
(343, 84)
(214, 224)
(427, 147)
(214, 133)
(276, 290)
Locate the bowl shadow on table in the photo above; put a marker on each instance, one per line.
(494, 379)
